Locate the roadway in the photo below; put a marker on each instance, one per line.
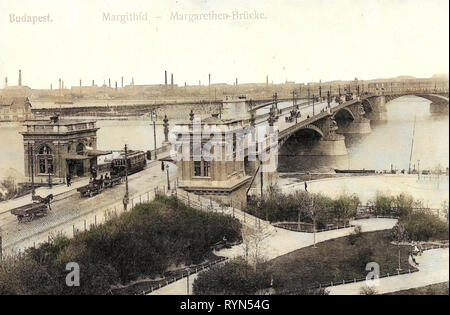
(70, 211)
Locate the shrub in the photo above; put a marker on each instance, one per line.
(141, 242)
(235, 277)
(424, 226)
(355, 235)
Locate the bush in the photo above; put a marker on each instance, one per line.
(278, 207)
(424, 226)
(355, 235)
(235, 277)
(141, 242)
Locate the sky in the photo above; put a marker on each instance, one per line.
(294, 40)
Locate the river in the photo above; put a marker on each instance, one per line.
(388, 143)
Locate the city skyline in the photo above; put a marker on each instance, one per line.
(90, 42)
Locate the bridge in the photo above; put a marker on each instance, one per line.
(313, 128)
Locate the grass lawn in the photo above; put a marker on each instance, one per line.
(336, 260)
(434, 289)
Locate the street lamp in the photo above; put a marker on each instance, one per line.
(418, 169)
(126, 197)
(154, 131)
(168, 181)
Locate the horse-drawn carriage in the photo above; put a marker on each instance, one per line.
(110, 182)
(38, 208)
(93, 188)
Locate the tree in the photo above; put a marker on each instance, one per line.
(253, 240)
(399, 234)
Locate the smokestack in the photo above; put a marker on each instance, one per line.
(236, 81)
(122, 81)
(20, 77)
(209, 79)
(80, 82)
(109, 82)
(116, 85)
(59, 86)
(51, 87)
(171, 79)
(165, 77)
(267, 80)
(92, 82)
(6, 81)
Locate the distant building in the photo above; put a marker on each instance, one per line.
(60, 147)
(15, 109)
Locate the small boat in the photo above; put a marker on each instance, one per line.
(363, 171)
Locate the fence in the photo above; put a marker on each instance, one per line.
(207, 204)
(46, 231)
(198, 269)
(356, 280)
(293, 226)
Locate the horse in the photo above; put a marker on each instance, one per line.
(47, 200)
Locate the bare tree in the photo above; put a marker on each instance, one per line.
(253, 240)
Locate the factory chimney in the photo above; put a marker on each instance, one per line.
(171, 79)
(6, 81)
(20, 77)
(165, 77)
(116, 85)
(109, 82)
(92, 82)
(122, 81)
(59, 84)
(267, 80)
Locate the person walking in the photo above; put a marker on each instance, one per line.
(306, 186)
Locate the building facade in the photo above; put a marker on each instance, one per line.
(222, 175)
(15, 109)
(55, 148)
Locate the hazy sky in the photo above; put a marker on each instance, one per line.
(297, 40)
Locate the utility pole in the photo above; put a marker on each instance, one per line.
(418, 169)
(126, 197)
(314, 220)
(154, 132)
(1, 247)
(31, 161)
(168, 181)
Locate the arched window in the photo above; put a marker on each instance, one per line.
(45, 159)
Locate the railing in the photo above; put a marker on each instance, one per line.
(286, 226)
(189, 272)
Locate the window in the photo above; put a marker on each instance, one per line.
(45, 159)
(80, 148)
(206, 166)
(197, 168)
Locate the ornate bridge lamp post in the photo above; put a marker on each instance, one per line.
(329, 98)
(314, 99)
(166, 128)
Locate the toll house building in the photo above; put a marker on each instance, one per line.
(56, 147)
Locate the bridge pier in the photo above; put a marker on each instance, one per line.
(355, 127)
(376, 109)
(351, 121)
(317, 146)
(439, 108)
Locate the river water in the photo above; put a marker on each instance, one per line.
(388, 143)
